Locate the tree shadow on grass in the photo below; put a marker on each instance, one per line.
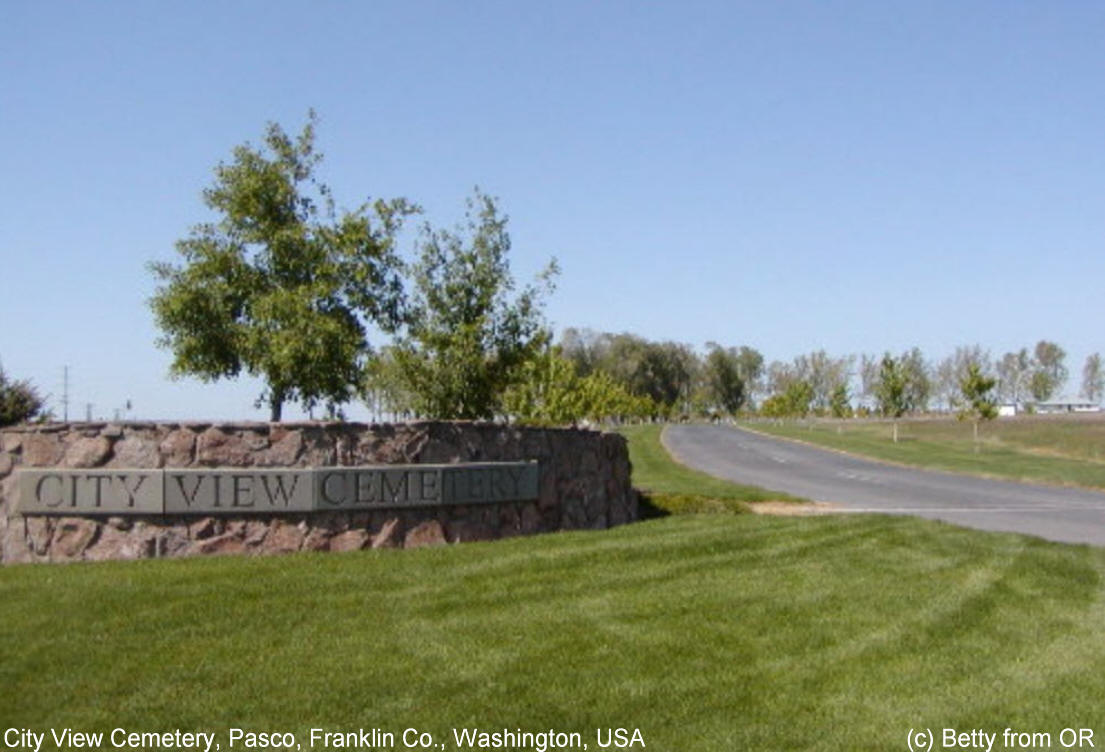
(647, 508)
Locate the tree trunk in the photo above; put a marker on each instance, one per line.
(976, 436)
(276, 407)
(895, 432)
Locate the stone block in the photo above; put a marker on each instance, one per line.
(14, 546)
(39, 530)
(136, 452)
(428, 533)
(350, 540)
(254, 531)
(284, 452)
(71, 537)
(178, 447)
(317, 539)
(208, 527)
(172, 541)
(116, 544)
(87, 452)
(388, 535)
(217, 448)
(283, 538)
(42, 450)
(220, 544)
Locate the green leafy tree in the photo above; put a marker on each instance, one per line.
(20, 401)
(385, 391)
(551, 392)
(793, 402)
(977, 402)
(547, 392)
(666, 373)
(824, 374)
(892, 392)
(840, 404)
(918, 382)
(465, 339)
(950, 372)
(282, 285)
(724, 387)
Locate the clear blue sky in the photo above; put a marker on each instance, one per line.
(854, 176)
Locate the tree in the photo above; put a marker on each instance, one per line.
(385, 391)
(918, 384)
(20, 401)
(464, 339)
(281, 286)
(550, 391)
(824, 374)
(892, 392)
(952, 370)
(584, 348)
(665, 372)
(840, 405)
(947, 382)
(977, 402)
(793, 402)
(725, 389)
(779, 376)
(1014, 372)
(1093, 378)
(869, 367)
(1049, 373)
(750, 369)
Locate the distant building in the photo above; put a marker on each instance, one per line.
(1007, 409)
(1068, 405)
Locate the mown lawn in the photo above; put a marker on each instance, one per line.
(706, 632)
(1043, 449)
(672, 488)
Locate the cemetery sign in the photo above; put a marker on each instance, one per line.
(207, 491)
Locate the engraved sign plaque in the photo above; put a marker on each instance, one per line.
(208, 491)
(237, 491)
(80, 492)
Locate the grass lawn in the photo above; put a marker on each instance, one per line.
(1066, 451)
(677, 489)
(706, 632)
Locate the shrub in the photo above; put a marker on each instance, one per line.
(19, 401)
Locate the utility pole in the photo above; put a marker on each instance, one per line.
(65, 393)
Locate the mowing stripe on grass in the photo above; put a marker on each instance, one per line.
(707, 632)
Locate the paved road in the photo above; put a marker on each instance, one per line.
(858, 485)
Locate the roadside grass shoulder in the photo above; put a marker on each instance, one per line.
(706, 632)
(1037, 452)
(673, 488)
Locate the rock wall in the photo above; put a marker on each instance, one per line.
(584, 483)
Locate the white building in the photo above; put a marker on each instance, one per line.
(1068, 405)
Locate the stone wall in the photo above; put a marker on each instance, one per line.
(584, 484)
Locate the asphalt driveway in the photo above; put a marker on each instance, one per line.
(858, 485)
